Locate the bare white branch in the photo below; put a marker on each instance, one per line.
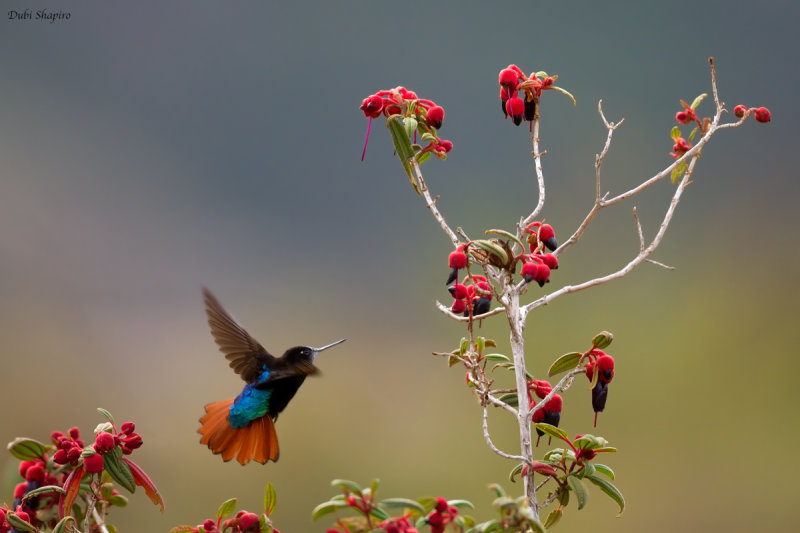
(537, 164)
(488, 438)
(431, 203)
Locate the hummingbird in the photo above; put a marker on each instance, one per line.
(244, 426)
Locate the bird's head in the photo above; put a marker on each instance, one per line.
(309, 353)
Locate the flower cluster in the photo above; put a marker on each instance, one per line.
(519, 94)
(549, 413)
(417, 114)
(604, 365)
(761, 114)
(473, 296)
(441, 515)
(241, 522)
(56, 475)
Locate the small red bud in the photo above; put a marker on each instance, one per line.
(210, 525)
(128, 428)
(93, 463)
(548, 236)
(554, 405)
(75, 433)
(441, 505)
(104, 442)
(739, 111)
(19, 490)
(530, 270)
(248, 521)
(550, 260)
(458, 291)
(35, 473)
(762, 114)
(605, 364)
(446, 145)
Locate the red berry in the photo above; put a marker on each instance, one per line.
(73, 454)
(435, 117)
(60, 457)
(75, 433)
(93, 463)
(435, 519)
(210, 525)
(441, 505)
(459, 306)
(739, 110)
(22, 514)
(763, 115)
(19, 490)
(24, 466)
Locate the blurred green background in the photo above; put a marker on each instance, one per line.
(151, 148)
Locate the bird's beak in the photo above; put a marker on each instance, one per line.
(329, 345)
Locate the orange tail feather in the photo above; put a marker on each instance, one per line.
(256, 441)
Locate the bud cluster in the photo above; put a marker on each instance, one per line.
(549, 413)
(761, 114)
(441, 515)
(519, 94)
(418, 114)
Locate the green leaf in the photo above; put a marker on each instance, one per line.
(496, 357)
(588, 469)
(61, 526)
(452, 361)
(118, 499)
(402, 145)
(484, 527)
(118, 470)
(493, 248)
(568, 361)
(552, 431)
(27, 449)
(517, 470)
(479, 345)
(464, 346)
(510, 399)
(227, 508)
(498, 490)
(106, 414)
(602, 339)
(347, 485)
(18, 523)
(43, 490)
(379, 513)
(677, 172)
(612, 491)
(606, 449)
(579, 490)
(270, 499)
(428, 137)
(460, 504)
(504, 502)
(424, 157)
(565, 92)
(507, 235)
(694, 132)
(402, 503)
(490, 343)
(590, 442)
(603, 469)
(537, 526)
(326, 508)
(410, 125)
(553, 518)
(696, 101)
(675, 132)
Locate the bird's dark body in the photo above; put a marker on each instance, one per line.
(243, 426)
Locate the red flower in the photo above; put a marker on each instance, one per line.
(104, 442)
(435, 117)
(372, 106)
(739, 111)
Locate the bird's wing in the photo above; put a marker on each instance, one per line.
(247, 357)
